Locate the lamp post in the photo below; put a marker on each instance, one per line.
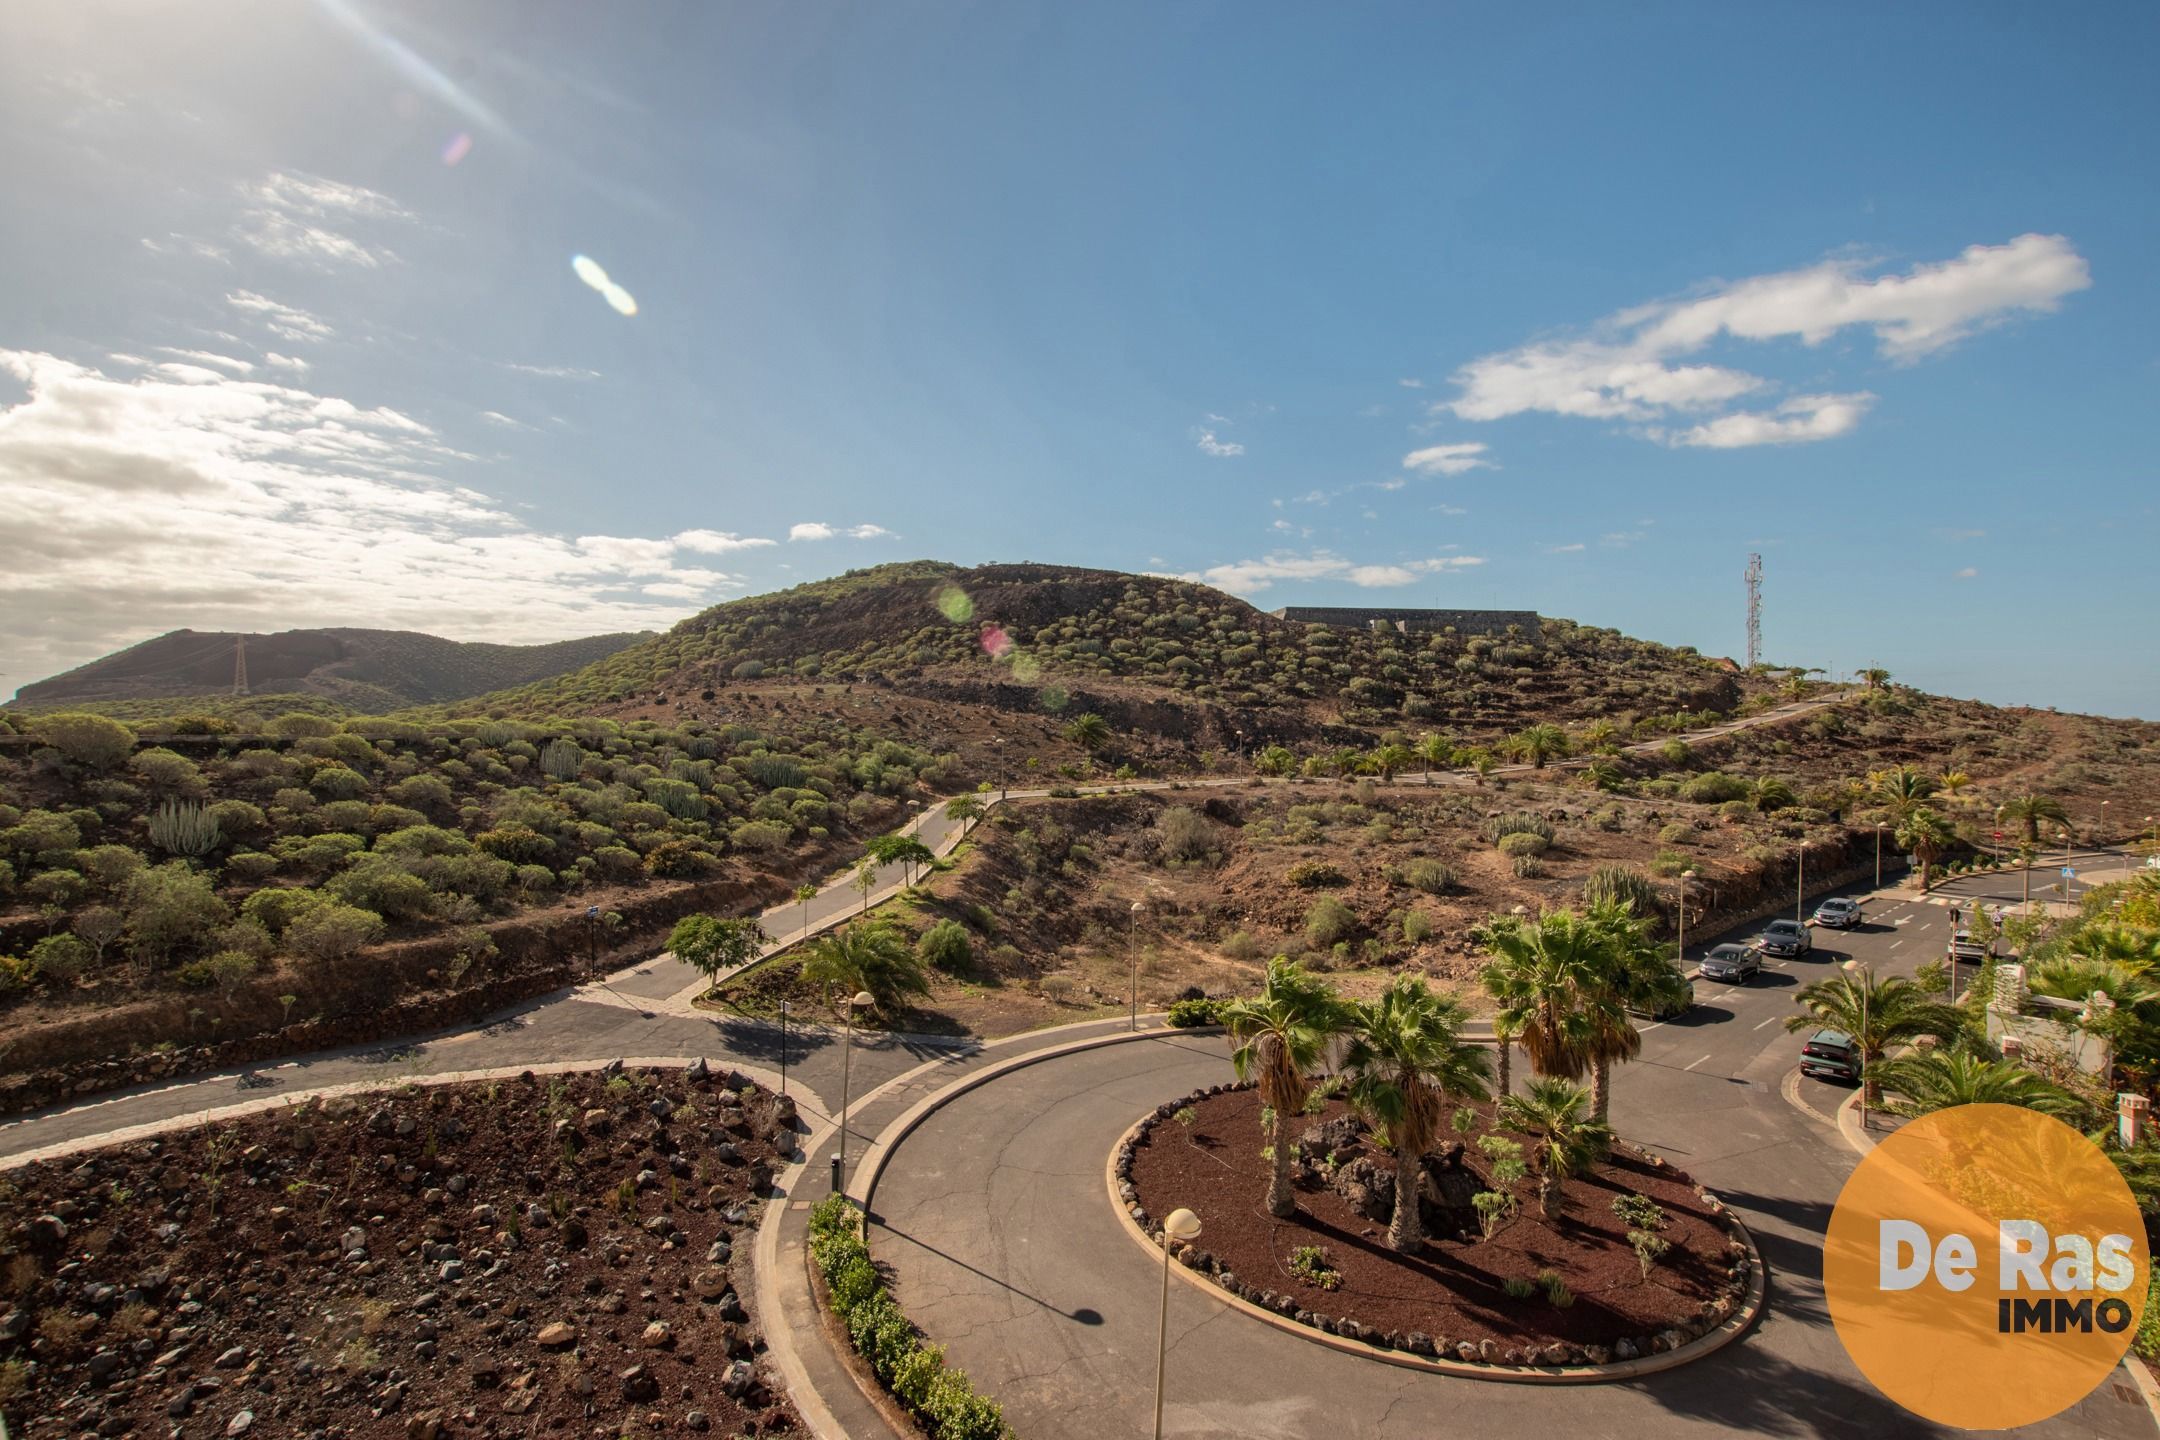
(1132, 947)
(1878, 854)
(1183, 1227)
(847, 1049)
(1685, 877)
(2064, 880)
(1799, 904)
(1860, 1040)
(783, 1046)
(592, 935)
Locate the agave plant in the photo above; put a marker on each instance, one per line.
(181, 828)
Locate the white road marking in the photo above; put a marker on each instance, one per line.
(1771, 1021)
(1893, 945)
(1698, 1062)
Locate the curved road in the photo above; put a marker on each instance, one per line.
(996, 1223)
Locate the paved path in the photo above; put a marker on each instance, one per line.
(1004, 1248)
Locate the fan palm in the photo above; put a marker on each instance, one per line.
(1926, 835)
(1278, 1037)
(1875, 677)
(1388, 759)
(1568, 1141)
(1406, 1059)
(1901, 790)
(2029, 810)
(870, 956)
(1876, 1013)
(1770, 793)
(1630, 971)
(1433, 752)
(1090, 731)
(1539, 973)
(1537, 744)
(1940, 1079)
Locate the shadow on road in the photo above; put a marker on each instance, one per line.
(1757, 1393)
(760, 1040)
(1082, 1316)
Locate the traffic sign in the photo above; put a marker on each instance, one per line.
(2068, 873)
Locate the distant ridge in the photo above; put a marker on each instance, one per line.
(365, 670)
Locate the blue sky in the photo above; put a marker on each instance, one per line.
(1386, 305)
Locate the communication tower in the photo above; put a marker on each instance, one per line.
(1754, 611)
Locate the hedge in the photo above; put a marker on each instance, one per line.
(941, 1397)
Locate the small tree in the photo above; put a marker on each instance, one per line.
(804, 894)
(945, 945)
(964, 811)
(1537, 744)
(710, 945)
(869, 956)
(1278, 1037)
(1569, 1141)
(1434, 752)
(903, 850)
(1090, 732)
(331, 932)
(91, 740)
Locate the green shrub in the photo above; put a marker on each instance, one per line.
(1241, 945)
(1316, 875)
(1328, 921)
(1192, 1014)
(1519, 843)
(946, 946)
(1519, 822)
(1428, 875)
(1621, 885)
(1712, 787)
(1677, 833)
(1417, 927)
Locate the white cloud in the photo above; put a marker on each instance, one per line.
(1625, 368)
(284, 362)
(1968, 573)
(206, 357)
(496, 417)
(1248, 577)
(136, 505)
(718, 542)
(1572, 549)
(1798, 420)
(818, 530)
(1621, 539)
(297, 218)
(285, 321)
(1411, 384)
(1221, 449)
(1448, 459)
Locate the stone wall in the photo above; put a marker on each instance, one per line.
(1466, 622)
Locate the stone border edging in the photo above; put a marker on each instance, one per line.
(1732, 1328)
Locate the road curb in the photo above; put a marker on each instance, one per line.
(1735, 1325)
(2147, 1390)
(1848, 1124)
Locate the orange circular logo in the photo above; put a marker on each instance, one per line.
(1985, 1266)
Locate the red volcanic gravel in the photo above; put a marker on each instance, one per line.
(1451, 1292)
(543, 1256)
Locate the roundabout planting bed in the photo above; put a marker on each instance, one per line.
(1589, 1300)
(536, 1255)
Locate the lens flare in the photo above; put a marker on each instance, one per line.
(1054, 698)
(588, 270)
(459, 147)
(995, 641)
(1026, 669)
(953, 603)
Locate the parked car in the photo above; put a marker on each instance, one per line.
(1838, 913)
(1732, 962)
(1831, 1055)
(1679, 1002)
(1964, 947)
(1785, 937)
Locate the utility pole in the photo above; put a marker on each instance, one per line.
(1754, 610)
(239, 665)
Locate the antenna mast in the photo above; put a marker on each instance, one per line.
(1754, 611)
(239, 665)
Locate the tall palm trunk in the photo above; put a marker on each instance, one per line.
(1507, 1046)
(1600, 1087)
(1281, 1203)
(1406, 1230)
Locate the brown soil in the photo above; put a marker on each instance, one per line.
(1453, 1291)
(539, 1256)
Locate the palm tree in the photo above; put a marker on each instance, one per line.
(1599, 737)
(1954, 784)
(1390, 758)
(1876, 1013)
(1569, 1142)
(1537, 744)
(804, 894)
(1901, 790)
(1275, 760)
(1279, 1036)
(1630, 971)
(870, 956)
(1875, 677)
(1925, 834)
(1539, 973)
(1090, 732)
(1937, 1080)
(1407, 1058)
(1434, 752)
(1770, 793)
(2029, 810)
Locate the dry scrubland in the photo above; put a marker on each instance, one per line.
(234, 872)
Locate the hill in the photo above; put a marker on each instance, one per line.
(369, 671)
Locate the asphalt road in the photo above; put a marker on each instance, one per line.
(1005, 1249)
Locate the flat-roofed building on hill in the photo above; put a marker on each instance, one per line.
(1463, 622)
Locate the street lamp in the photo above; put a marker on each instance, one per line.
(1799, 904)
(1878, 854)
(1685, 877)
(839, 1164)
(1183, 1227)
(592, 924)
(1860, 1040)
(1132, 946)
(783, 1046)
